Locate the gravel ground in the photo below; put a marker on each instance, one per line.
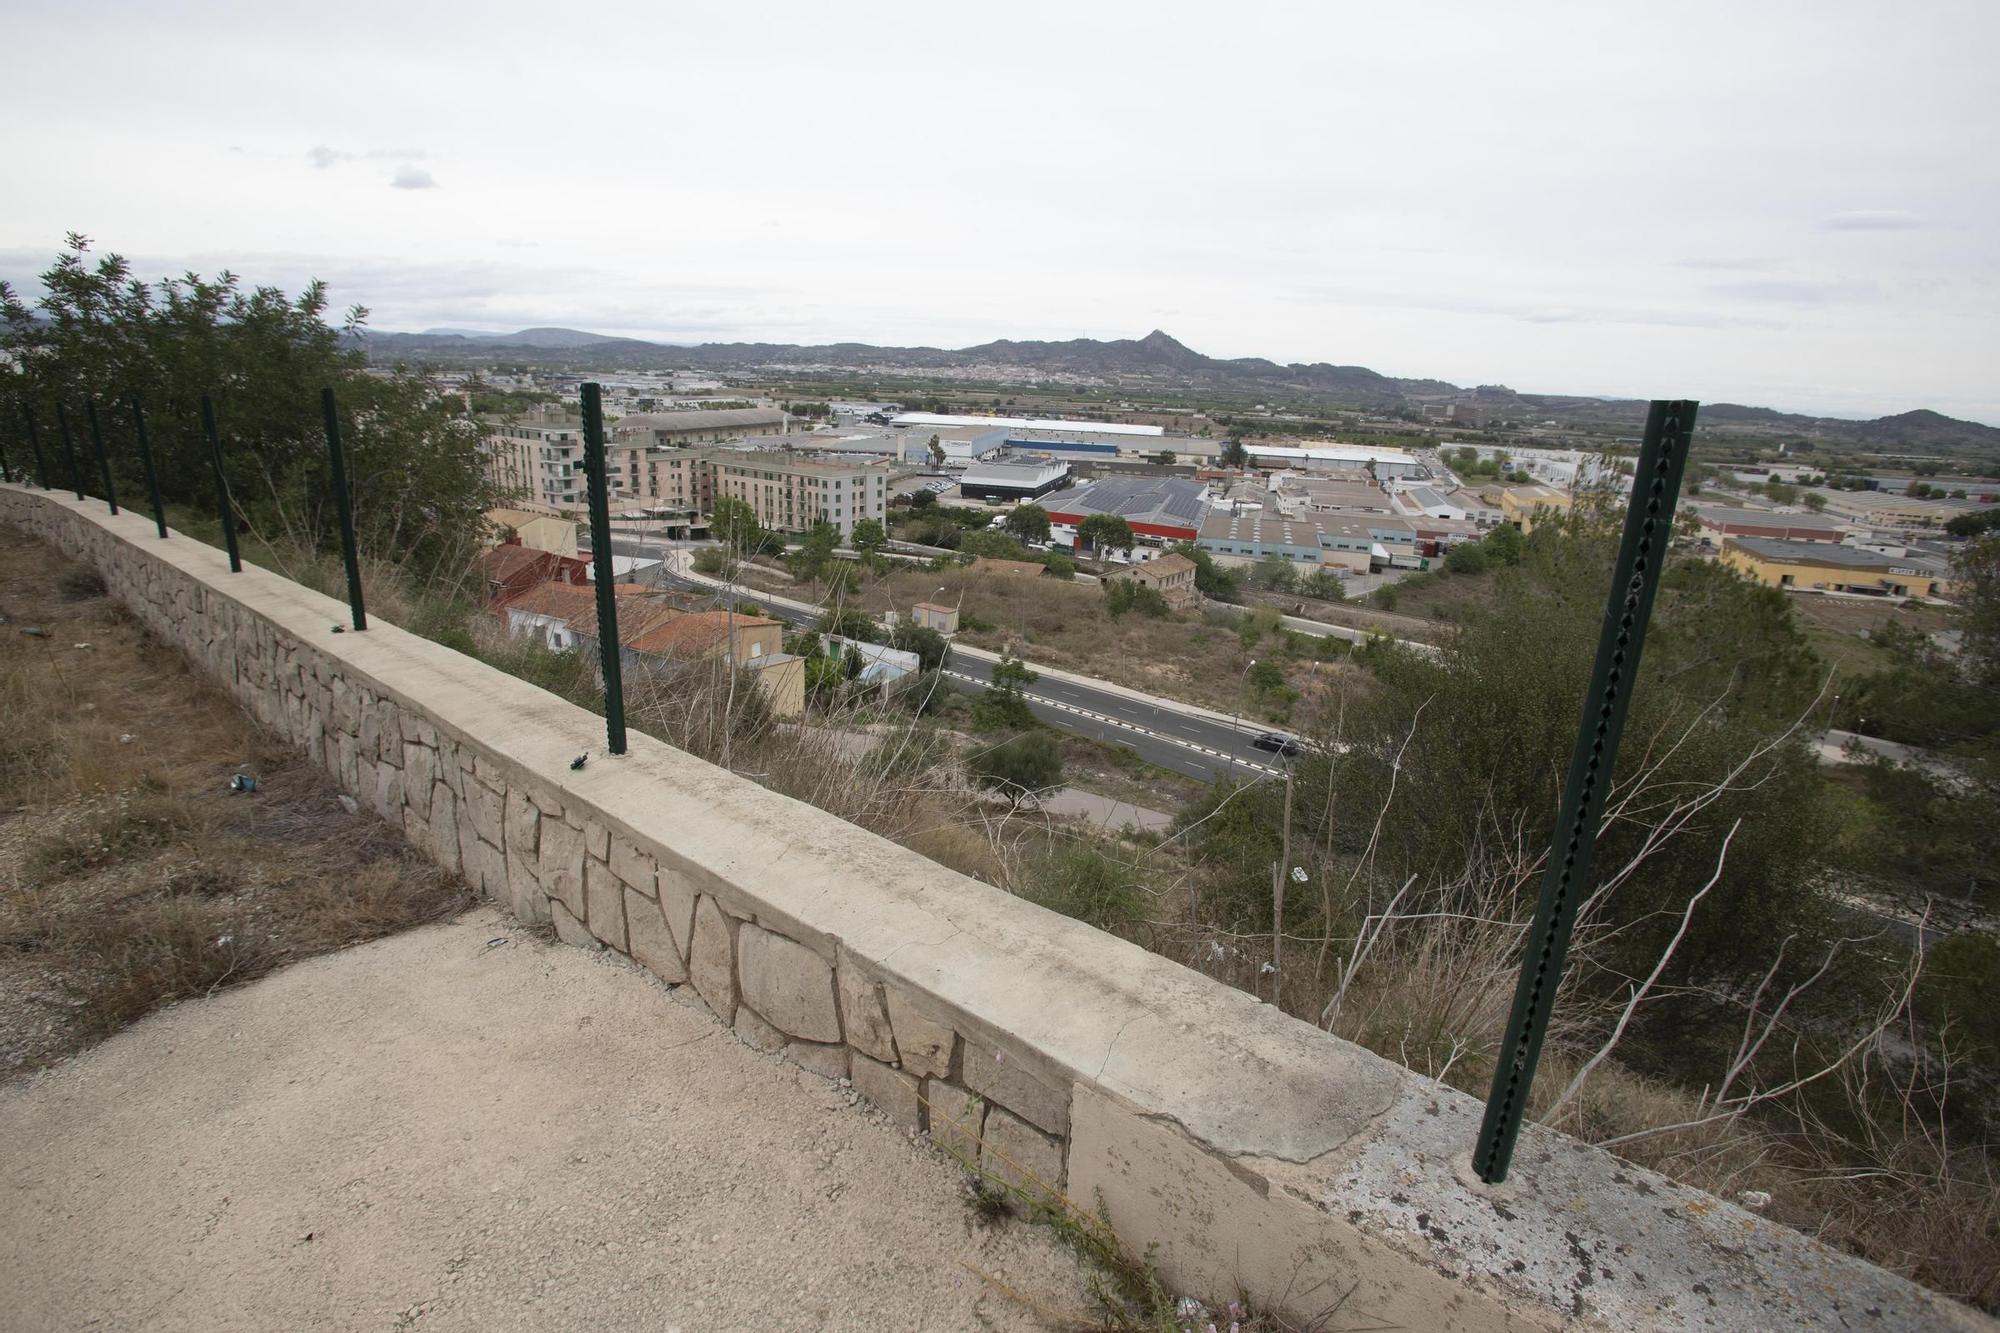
(463, 1127)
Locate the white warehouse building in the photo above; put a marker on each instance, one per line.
(1386, 464)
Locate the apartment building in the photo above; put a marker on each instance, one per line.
(538, 466)
(789, 494)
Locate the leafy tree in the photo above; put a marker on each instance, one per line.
(937, 452)
(1105, 532)
(1210, 579)
(1122, 595)
(1059, 566)
(734, 523)
(848, 623)
(869, 536)
(99, 333)
(1976, 584)
(1324, 584)
(1274, 573)
(1029, 523)
(922, 499)
(1011, 673)
(930, 646)
(1165, 458)
(1504, 545)
(1814, 501)
(992, 545)
(1487, 723)
(1233, 454)
(1021, 768)
(1466, 558)
(715, 561)
(815, 559)
(1973, 524)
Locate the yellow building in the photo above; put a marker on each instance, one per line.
(538, 532)
(1823, 567)
(1519, 504)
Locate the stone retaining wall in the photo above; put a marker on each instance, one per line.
(1254, 1151)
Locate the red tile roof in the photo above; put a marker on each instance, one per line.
(695, 634)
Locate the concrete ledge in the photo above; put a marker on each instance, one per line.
(1252, 1149)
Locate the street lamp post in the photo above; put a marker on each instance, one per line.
(1236, 717)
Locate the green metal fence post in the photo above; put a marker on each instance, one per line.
(69, 452)
(331, 412)
(35, 443)
(223, 505)
(600, 555)
(103, 459)
(146, 465)
(1642, 555)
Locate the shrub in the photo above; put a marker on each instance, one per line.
(1083, 882)
(1001, 710)
(1021, 767)
(1275, 573)
(1466, 559)
(1122, 595)
(1325, 585)
(715, 562)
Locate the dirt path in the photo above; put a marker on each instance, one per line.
(462, 1127)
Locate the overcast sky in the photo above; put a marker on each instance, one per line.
(1791, 205)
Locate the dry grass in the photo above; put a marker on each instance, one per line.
(1190, 657)
(130, 876)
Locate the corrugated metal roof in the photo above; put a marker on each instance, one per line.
(725, 418)
(1026, 423)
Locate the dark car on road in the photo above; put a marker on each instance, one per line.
(1277, 743)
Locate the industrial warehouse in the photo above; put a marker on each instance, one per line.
(1014, 479)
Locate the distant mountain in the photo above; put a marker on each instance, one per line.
(1159, 360)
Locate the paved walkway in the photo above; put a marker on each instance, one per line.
(466, 1128)
(1105, 812)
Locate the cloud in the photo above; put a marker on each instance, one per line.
(323, 157)
(1725, 265)
(1872, 219)
(413, 178)
(1787, 291)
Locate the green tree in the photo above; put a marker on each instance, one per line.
(1275, 573)
(932, 651)
(1233, 454)
(1973, 524)
(1814, 501)
(937, 452)
(992, 545)
(1466, 558)
(922, 499)
(1210, 579)
(734, 523)
(1059, 566)
(1021, 768)
(1504, 545)
(1324, 584)
(869, 536)
(1105, 532)
(1165, 458)
(1029, 523)
(814, 560)
(848, 623)
(1127, 594)
(416, 475)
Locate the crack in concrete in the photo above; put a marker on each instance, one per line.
(929, 944)
(1106, 1061)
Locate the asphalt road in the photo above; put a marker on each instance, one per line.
(1187, 743)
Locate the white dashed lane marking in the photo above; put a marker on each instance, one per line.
(1129, 726)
